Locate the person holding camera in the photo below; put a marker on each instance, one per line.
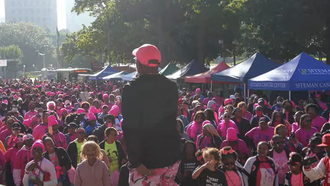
(323, 167)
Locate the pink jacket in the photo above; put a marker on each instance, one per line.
(22, 157)
(87, 175)
(222, 128)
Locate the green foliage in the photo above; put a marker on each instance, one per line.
(182, 29)
(29, 38)
(11, 52)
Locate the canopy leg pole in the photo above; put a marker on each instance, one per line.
(309, 94)
(289, 95)
(244, 92)
(211, 86)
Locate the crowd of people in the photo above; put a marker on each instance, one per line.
(82, 134)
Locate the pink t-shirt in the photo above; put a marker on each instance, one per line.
(297, 179)
(239, 147)
(29, 114)
(303, 135)
(222, 128)
(39, 131)
(295, 127)
(247, 115)
(318, 122)
(260, 135)
(265, 175)
(281, 164)
(232, 178)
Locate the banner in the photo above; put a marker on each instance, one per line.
(3, 63)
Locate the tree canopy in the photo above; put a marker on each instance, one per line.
(191, 29)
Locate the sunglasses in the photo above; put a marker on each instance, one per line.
(230, 163)
(226, 116)
(279, 143)
(308, 121)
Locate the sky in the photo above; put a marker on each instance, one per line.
(61, 20)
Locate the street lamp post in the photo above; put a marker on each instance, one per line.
(43, 61)
(221, 43)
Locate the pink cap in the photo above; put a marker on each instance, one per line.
(5, 102)
(231, 134)
(93, 110)
(52, 120)
(227, 101)
(80, 111)
(114, 111)
(317, 95)
(147, 52)
(198, 90)
(91, 117)
(38, 143)
(105, 96)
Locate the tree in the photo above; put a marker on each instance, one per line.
(14, 57)
(182, 29)
(29, 38)
(281, 29)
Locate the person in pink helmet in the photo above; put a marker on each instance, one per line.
(158, 162)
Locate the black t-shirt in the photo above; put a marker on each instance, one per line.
(212, 178)
(188, 166)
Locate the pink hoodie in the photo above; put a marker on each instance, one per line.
(194, 130)
(23, 156)
(222, 128)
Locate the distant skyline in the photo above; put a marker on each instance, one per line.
(61, 13)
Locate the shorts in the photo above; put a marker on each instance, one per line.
(162, 177)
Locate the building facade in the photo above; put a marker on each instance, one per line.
(41, 12)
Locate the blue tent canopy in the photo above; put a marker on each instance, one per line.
(300, 74)
(105, 72)
(254, 66)
(192, 68)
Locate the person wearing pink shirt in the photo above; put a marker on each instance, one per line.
(225, 124)
(195, 128)
(295, 124)
(7, 131)
(31, 111)
(306, 130)
(10, 140)
(245, 113)
(261, 133)
(23, 156)
(317, 121)
(10, 159)
(237, 144)
(57, 136)
(42, 128)
(277, 119)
